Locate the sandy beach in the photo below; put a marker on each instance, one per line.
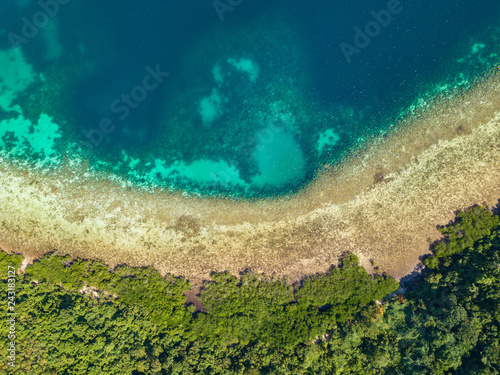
(383, 204)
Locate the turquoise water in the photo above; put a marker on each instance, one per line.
(248, 99)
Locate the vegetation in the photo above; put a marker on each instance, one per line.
(80, 317)
(469, 227)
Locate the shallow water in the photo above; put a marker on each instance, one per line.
(246, 100)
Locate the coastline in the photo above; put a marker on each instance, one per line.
(383, 203)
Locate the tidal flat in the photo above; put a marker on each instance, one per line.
(275, 137)
(381, 203)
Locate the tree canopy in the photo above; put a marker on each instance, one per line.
(77, 316)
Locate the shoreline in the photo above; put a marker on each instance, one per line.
(383, 204)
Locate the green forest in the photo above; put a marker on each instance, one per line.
(77, 316)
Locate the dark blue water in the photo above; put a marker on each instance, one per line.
(355, 88)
